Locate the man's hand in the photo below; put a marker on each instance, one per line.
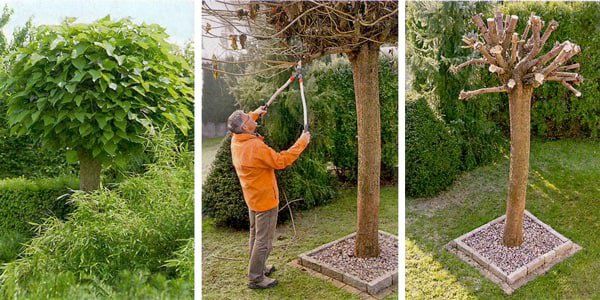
(261, 111)
(305, 135)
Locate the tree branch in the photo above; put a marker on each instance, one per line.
(571, 88)
(475, 61)
(466, 95)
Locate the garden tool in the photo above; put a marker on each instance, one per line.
(298, 75)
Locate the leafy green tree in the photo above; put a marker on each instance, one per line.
(96, 89)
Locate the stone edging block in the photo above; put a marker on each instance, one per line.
(372, 287)
(525, 273)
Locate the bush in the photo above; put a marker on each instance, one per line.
(114, 239)
(222, 197)
(25, 201)
(432, 153)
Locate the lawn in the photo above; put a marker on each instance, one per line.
(225, 251)
(209, 150)
(563, 192)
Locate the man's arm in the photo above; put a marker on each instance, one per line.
(257, 113)
(266, 157)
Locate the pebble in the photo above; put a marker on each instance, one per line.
(536, 242)
(341, 256)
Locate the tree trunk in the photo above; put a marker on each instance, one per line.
(520, 114)
(89, 172)
(365, 69)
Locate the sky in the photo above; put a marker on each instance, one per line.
(177, 16)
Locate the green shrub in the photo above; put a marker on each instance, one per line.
(222, 197)
(432, 153)
(134, 229)
(24, 201)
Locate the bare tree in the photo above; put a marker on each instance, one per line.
(518, 63)
(307, 30)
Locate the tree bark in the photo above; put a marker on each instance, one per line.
(89, 172)
(365, 69)
(520, 114)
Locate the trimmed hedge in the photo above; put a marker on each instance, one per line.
(25, 201)
(432, 152)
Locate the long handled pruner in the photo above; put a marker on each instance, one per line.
(298, 75)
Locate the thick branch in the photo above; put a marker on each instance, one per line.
(475, 61)
(514, 52)
(571, 88)
(492, 31)
(568, 67)
(466, 95)
(482, 29)
(509, 37)
(481, 48)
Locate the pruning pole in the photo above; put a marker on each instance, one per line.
(301, 81)
(285, 85)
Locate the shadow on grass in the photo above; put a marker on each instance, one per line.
(563, 192)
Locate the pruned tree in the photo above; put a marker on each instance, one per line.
(521, 67)
(307, 30)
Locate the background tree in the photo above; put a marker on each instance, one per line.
(96, 89)
(517, 62)
(308, 30)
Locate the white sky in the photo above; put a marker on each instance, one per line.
(177, 16)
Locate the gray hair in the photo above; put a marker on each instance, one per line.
(235, 121)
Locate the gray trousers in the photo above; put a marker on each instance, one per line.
(262, 233)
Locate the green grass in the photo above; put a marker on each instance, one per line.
(225, 251)
(563, 192)
(209, 149)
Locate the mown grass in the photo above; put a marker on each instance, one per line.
(225, 251)
(563, 192)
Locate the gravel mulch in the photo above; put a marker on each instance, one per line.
(536, 242)
(341, 256)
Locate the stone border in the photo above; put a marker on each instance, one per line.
(509, 282)
(372, 287)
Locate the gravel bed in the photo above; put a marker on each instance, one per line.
(536, 242)
(341, 256)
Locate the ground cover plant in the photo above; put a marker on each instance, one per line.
(562, 189)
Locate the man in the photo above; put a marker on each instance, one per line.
(255, 164)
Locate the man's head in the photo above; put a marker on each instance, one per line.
(240, 122)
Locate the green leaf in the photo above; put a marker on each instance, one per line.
(110, 148)
(35, 116)
(138, 89)
(80, 116)
(108, 134)
(71, 87)
(95, 74)
(85, 129)
(78, 76)
(79, 49)
(113, 86)
(120, 59)
(79, 63)
(78, 100)
(71, 156)
(34, 58)
(108, 64)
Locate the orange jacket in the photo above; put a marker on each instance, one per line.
(255, 164)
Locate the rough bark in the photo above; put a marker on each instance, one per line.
(365, 67)
(89, 172)
(520, 114)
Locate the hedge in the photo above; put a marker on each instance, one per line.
(432, 152)
(25, 201)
